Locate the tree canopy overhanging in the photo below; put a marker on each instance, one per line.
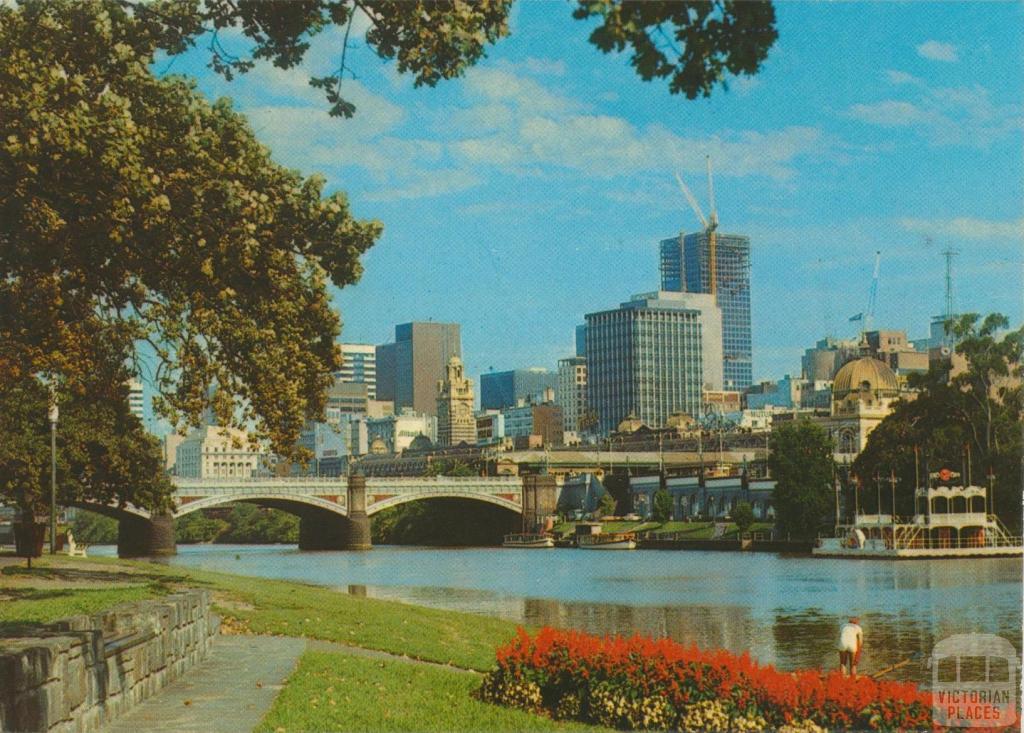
(694, 44)
(134, 211)
(132, 208)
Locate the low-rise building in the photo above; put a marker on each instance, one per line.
(712, 498)
(543, 421)
(219, 452)
(396, 432)
(490, 428)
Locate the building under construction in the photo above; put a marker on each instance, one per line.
(685, 267)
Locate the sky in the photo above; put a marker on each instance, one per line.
(536, 188)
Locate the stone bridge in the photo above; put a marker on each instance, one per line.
(333, 512)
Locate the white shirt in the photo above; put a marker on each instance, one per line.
(850, 638)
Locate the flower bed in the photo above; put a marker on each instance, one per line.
(646, 684)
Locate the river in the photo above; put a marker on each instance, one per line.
(783, 610)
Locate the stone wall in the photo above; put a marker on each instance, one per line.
(75, 675)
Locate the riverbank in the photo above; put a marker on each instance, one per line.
(351, 692)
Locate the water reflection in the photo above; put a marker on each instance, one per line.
(790, 640)
(784, 610)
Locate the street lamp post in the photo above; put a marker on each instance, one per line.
(54, 413)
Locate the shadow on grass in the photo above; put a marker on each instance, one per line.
(94, 575)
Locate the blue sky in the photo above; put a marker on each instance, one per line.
(535, 189)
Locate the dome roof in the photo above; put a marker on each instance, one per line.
(864, 371)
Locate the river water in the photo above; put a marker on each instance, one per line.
(783, 610)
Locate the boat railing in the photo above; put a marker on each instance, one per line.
(960, 543)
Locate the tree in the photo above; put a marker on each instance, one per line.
(196, 527)
(692, 43)
(969, 422)
(132, 211)
(453, 467)
(662, 506)
(801, 462)
(94, 529)
(131, 206)
(104, 456)
(607, 505)
(743, 516)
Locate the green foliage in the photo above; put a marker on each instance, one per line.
(802, 465)
(743, 516)
(707, 39)
(104, 456)
(974, 416)
(132, 210)
(251, 524)
(692, 43)
(606, 507)
(461, 522)
(453, 467)
(661, 511)
(92, 528)
(197, 528)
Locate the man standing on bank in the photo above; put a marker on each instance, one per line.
(851, 641)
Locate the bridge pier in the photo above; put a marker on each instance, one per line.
(141, 537)
(322, 531)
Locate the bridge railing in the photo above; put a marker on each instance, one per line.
(216, 481)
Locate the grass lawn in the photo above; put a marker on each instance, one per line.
(29, 606)
(257, 605)
(339, 692)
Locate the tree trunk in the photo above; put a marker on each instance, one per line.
(29, 537)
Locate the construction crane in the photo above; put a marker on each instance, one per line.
(869, 314)
(710, 225)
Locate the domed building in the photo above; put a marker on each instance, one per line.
(863, 393)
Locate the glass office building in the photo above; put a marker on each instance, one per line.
(652, 357)
(504, 389)
(685, 267)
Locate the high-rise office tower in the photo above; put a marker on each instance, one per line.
(408, 370)
(505, 389)
(136, 399)
(652, 357)
(685, 267)
(359, 366)
(571, 394)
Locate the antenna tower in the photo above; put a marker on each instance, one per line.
(949, 253)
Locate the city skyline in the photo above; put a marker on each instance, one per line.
(529, 193)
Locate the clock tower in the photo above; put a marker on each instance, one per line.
(455, 421)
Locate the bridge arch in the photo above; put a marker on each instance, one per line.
(399, 499)
(297, 504)
(113, 511)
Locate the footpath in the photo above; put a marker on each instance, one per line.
(233, 689)
(229, 692)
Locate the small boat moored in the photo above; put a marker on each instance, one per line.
(529, 541)
(610, 541)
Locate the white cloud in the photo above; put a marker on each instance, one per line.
(966, 228)
(945, 115)
(937, 51)
(427, 183)
(545, 67)
(890, 113)
(901, 77)
(515, 122)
